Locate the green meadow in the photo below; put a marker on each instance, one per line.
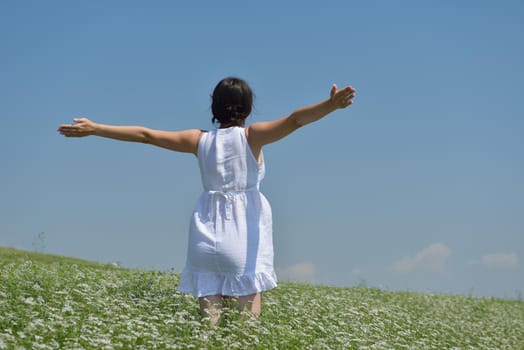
(54, 302)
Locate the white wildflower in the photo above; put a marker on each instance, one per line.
(30, 301)
(21, 334)
(67, 309)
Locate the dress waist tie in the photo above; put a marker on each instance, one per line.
(227, 197)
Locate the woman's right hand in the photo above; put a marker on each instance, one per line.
(342, 98)
(81, 127)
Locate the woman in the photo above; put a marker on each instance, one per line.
(230, 248)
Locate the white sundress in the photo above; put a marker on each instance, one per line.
(230, 247)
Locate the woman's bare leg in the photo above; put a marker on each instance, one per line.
(211, 307)
(250, 304)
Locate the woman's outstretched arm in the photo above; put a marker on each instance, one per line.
(263, 133)
(180, 141)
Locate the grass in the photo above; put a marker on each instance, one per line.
(52, 302)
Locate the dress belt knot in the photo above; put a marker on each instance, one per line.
(227, 196)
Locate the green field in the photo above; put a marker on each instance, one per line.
(52, 302)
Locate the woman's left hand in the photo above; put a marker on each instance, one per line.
(81, 127)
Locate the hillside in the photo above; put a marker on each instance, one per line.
(51, 302)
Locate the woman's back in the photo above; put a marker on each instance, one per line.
(226, 161)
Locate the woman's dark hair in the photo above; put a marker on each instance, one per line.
(231, 102)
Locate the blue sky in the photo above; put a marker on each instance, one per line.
(417, 186)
